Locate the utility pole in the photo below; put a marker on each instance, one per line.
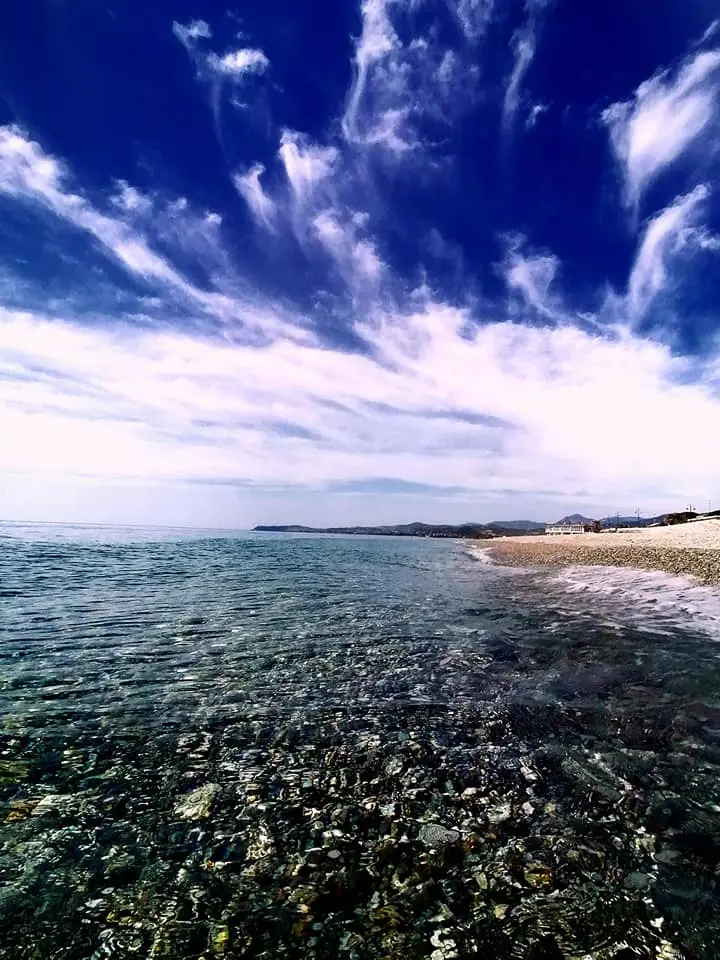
(638, 516)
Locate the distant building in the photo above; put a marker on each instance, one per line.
(565, 528)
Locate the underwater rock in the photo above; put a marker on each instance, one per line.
(197, 804)
(435, 835)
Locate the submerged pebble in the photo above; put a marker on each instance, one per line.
(196, 805)
(435, 835)
(309, 753)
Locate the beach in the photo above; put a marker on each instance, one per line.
(691, 549)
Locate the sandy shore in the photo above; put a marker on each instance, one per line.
(691, 549)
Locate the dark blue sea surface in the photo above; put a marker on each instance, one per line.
(244, 745)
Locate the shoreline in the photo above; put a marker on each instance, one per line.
(683, 550)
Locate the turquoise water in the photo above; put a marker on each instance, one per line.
(217, 744)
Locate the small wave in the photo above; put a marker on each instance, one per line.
(482, 555)
(647, 597)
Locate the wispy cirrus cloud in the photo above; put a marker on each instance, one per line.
(667, 114)
(382, 383)
(437, 393)
(30, 176)
(377, 106)
(672, 231)
(306, 164)
(473, 16)
(261, 204)
(233, 65)
(120, 403)
(532, 277)
(356, 257)
(524, 44)
(237, 64)
(310, 205)
(188, 33)
(403, 85)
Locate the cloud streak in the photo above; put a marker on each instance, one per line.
(667, 234)
(188, 33)
(524, 45)
(377, 103)
(233, 65)
(208, 375)
(249, 187)
(30, 176)
(404, 90)
(666, 116)
(503, 409)
(473, 16)
(237, 64)
(523, 51)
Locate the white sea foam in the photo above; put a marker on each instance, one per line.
(481, 555)
(647, 599)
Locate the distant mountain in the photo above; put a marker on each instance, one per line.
(495, 528)
(523, 525)
(631, 521)
(472, 530)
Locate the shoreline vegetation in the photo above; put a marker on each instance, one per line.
(687, 549)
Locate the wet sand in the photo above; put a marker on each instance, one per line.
(691, 549)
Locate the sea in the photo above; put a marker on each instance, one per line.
(222, 744)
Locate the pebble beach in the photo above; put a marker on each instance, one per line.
(690, 549)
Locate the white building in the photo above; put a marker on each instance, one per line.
(565, 528)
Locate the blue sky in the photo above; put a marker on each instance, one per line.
(358, 262)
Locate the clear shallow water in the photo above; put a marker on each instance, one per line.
(266, 746)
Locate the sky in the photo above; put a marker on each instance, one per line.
(358, 262)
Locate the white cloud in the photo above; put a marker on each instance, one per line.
(372, 114)
(666, 115)
(130, 200)
(473, 16)
(235, 65)
(532, 277)
(356, 258)
(330, 233)
(666, 234)
(143, 404)
(537, 110)
(306, 164)
(397, 85)
(703, 239)
(188, 33)
(711, 31)
(524, 51)
(440, 396)
(524, 43)
(29, 175)
(238, 63)
(366, 260)
(251, 190)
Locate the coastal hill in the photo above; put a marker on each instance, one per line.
(471, 530)
(477, 531)
(615, 520)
